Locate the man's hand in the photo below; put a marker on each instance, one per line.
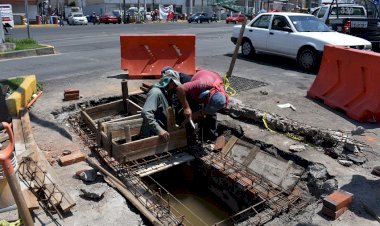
(187, 113)
(164, 135)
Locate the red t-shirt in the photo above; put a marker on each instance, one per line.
(202, 80)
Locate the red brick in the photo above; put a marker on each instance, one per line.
(333, 214)
(338, 200)
(245, 181)
(72, 158)
(71, 91)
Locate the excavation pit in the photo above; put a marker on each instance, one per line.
(248, 186)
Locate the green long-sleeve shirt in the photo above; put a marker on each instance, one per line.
(154, 113)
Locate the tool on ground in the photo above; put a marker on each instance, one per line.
(227, 86)
(13, 182)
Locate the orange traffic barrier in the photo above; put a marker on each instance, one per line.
(349, 79)
(146, 55)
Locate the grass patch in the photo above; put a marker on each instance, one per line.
(13, 83)
(24, 43)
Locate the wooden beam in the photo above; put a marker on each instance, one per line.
(148, 146)
(170, 122)
(227, 148)
(127, 131)
(30, 199)
(36, 154)
(87, 119)
(110, 127)
(136, 116)
(103, 110)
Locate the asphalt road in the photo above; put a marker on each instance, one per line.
(96, 48)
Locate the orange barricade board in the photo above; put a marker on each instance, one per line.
(349, 79)
(144, 55)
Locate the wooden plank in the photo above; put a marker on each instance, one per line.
(105, 142)
(30, 199)
(90, 123)
(104, 110)
(19, 139)
(36, 154)
(136, 116)
(227, 148)
(148, 146)
(110, 127)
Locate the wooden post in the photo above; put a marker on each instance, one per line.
(171, 126)
(234, 56)
(127, 131)
(124, 90)
(98, 135)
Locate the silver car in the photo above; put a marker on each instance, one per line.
(77, 19)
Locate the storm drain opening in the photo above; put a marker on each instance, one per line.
(242, 84)
(243, 184)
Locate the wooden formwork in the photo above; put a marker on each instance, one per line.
(115, 135)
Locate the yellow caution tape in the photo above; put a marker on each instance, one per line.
(227, 86)
(291, 136)
(6, 223)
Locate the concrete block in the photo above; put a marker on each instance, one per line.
(20, 98)
(333, 214)
(338, 200)
(72, 158)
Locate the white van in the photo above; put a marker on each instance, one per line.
(7, 15)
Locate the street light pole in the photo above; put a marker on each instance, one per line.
(27, 17)
(124, 16)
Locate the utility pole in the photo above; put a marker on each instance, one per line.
(27, 17)
(2, 37)
(124, 15)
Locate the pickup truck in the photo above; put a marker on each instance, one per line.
(352, 19)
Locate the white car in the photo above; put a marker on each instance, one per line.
(77, 19)
(294, 35)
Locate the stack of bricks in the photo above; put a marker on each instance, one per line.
(71, 94)
(336, 204)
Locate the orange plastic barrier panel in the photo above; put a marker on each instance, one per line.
(146, 55)
(349, 79)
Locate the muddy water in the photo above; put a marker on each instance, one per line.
(202, 207)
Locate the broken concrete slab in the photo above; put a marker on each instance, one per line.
(345, 162)
(88, 175)
(297, 147)
(94, 192)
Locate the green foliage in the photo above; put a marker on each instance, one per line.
(13, 83)
(39, 86)
(72, 3)
(24, 43)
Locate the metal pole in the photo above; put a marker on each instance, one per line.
(27, 17)
(124, 15)
(2, 37)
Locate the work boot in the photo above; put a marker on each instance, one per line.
(376, 171)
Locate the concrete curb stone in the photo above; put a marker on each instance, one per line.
(46, 50)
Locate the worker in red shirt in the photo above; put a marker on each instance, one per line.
(204, 95)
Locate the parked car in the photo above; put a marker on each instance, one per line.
(107, 18)
(235, 18)
(199, 18)
(352, 19)
(75, 19)
(294, 35)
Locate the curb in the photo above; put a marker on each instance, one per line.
(28, 52)
(20, 98)
(36, 25)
